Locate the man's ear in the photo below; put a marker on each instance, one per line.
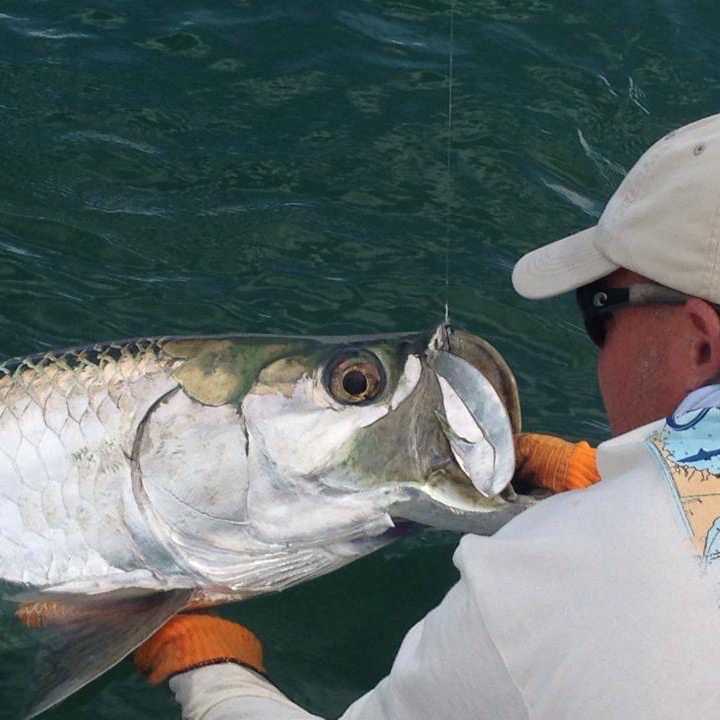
(704, 340)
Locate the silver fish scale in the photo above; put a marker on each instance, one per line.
(67, 424)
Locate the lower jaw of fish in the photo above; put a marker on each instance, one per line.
(488, 517)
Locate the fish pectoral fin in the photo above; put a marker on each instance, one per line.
(80, 638)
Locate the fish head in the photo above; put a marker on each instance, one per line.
(279, 459)
(352, 436)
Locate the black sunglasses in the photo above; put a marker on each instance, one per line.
(597, 301)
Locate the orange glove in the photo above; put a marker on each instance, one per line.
(553, 463)
(191, 641)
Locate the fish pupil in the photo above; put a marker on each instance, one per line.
(354, 383)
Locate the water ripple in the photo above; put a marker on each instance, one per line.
(393, 32)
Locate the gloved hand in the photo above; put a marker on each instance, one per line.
(553, 463)
(189, 641)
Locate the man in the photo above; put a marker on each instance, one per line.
(594, 604)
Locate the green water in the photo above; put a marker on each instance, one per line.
(281, 167)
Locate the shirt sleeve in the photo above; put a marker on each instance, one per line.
(447, 666)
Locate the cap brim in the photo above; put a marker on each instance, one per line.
(561, 266)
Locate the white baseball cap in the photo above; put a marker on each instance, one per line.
(663, 222)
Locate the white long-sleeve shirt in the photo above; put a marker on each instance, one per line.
(593, 605)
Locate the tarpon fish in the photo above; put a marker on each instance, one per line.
(138, 478)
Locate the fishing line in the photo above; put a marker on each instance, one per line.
(449, 188)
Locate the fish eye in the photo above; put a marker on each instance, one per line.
(355, 378)
(354, 382)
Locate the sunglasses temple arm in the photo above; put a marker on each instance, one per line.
(646, 294)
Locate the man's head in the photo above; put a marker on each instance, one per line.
(654, 355)
(662, 226)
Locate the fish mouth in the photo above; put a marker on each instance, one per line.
(475, 420)
(472, 491)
